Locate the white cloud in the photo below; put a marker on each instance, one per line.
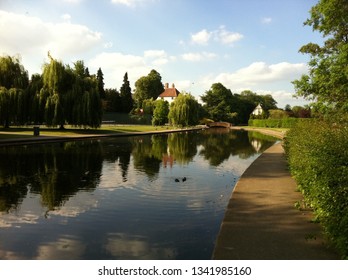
(227, 37)
(66, 17)
(114, 65)
(154, 53)
(198, 56)
(73, 1)
(157, 57)
(108, 45)
(263, 78)
(202, 37)
(130, 3)
(266, 20)
(221, 35)
(260, 72)
(32, 38)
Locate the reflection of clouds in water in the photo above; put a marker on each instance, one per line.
(112, 179)
(65, 247)
(62, 248)
(30, 211)
(10, 255)
(123, 246)
(76, 205)
(10, 220)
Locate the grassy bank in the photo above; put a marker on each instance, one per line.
(318, 158)
(27, 132)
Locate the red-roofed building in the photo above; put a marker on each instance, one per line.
(169, 94)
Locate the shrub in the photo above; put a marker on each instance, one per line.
(277, 123)
(318, 158)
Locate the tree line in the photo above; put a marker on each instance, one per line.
(71, 95)
(60, 95)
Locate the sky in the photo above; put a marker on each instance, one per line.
(243, 44)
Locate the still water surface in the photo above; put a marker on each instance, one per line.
(142, 197)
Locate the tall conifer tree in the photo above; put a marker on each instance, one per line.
(126, 95)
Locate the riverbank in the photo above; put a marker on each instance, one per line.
(13, 139)
(261, 221)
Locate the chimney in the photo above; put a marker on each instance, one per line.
(166, 85)
(173, 86)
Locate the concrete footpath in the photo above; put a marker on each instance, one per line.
(261, 221)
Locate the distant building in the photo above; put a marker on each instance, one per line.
(169, 94)
(257, 111)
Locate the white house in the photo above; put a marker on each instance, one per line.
(258, 110)
(169, 94)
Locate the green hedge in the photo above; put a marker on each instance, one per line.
(276, 123)
(318, 157)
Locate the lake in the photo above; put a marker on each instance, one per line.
(150, 197)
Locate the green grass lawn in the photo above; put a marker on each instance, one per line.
(24, 132)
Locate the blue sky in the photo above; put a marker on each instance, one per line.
(244, 44)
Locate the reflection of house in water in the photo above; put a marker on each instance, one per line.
(256, 144)
(167, 160)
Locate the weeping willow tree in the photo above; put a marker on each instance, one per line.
(12, 73)
(13, 82)
(184, 111)
(84, 99)
(70, 95)
(53, 92)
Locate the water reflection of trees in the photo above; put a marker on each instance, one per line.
(54, 171)
(146, 157)
(182, 146)
(219, 144)
(120, 150)
(59, 171)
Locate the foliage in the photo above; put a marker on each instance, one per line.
(218, 102)
(317, 154)
(112, 100)
(184, 110)
(148, 87)
(69, 96)
(126, 95)
(277, 123)
(13, 83)
(277, 114)
(267, 102)
(100, 83)
(12, 73)
(160, 114)
(327, 82)
(222, 105)
(148, 106)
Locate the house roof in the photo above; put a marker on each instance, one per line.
(169, 92)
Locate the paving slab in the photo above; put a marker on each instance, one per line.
(261, 221)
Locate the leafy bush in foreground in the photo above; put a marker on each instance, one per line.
(318, 158)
